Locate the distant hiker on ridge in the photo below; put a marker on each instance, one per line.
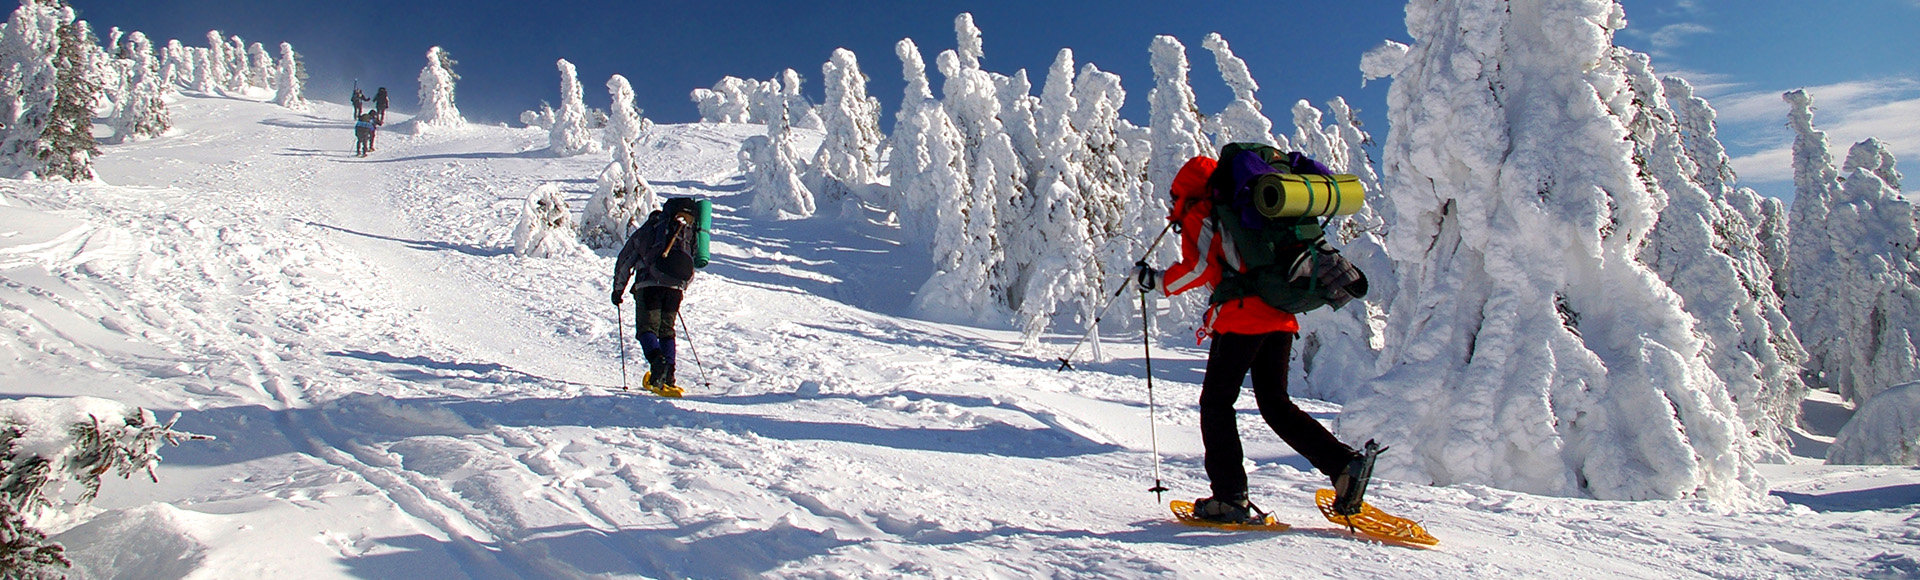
(660, 259)
(380, 105)
(359, 103)
(1251, 321)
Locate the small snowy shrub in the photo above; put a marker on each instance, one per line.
(546, 227)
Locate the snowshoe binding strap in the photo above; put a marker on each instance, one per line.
(1350, 487)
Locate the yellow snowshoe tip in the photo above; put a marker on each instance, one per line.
(1183, 511)
(669, 391)
(1376, 524)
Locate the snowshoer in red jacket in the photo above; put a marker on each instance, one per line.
(1248, 336)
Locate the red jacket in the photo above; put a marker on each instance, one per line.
(1203, 252)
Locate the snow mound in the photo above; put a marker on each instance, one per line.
(144, 542)
(1885, 431)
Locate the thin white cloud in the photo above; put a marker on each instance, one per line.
(1887, 109)
(1674, 35)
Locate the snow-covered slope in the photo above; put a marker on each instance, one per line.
(397, 395)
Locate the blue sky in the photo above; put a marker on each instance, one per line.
(1857, 56)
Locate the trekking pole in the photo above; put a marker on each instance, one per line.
(1066, 363)
(696, 355)
(1153, 436)
(622, 329)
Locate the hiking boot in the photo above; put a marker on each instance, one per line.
(1350, 486)
(1230, 511)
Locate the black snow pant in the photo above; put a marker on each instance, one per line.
(653, 318)
(1228, 361)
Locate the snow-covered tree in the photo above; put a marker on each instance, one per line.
(238, 68)
(66, 147)
(980, 287)
(1241, 121)
(176, 65)
(1852, 292)
(928, 168)
(205, 64)
(1707, 253)
(143, 110)
(1714, 172)
(849, 157)
(213, 66)
(546, 227)
(260, 66)
(1175, 120)
(28, 78)
(1335, 352)
(799, 110)
(288, 80)
(728, 101)
(773, 173)
(1526, 347)
(623, 198)
(1065, 272)
(1113, 159)
(569, 135)
(437, 108)
(1884, 430)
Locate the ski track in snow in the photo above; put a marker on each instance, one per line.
(397, 395)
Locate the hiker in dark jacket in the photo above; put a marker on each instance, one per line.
(359, 103)
(658, 257)
(364, 127)
(380, 105)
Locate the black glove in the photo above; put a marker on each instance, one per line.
(616, 296)
(1145, 276)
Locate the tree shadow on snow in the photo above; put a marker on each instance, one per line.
(1860, 500)
(309, 122)
(855, 263)
(529, 154)
(424, 245)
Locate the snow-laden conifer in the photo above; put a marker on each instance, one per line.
(622, 200)
(1858, 310)
(773, 172)
(260, 67)
(1311, 138)
(1176, 124)
(799, 110)
(143, 111)
(213, 65)
(1113, 157)
(1707, 253)
(1549, 358)
(927, 170)
(849, 157)
(1336, 350)
(1064, 272)
(979, 288)
(176, 65)
(1017, 108)
(31, 36)
(726, 102)
(437, 108)
(206, 66)
(546, 228)
(1241, 121)
(569, 135)
(288, 80)
(238, 68)
(1884, 430)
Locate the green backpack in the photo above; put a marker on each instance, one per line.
(1288, 263)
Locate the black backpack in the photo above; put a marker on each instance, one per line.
(1288, 263)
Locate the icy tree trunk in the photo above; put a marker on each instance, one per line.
(1528, 348)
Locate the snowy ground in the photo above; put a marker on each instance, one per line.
(397, 395)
